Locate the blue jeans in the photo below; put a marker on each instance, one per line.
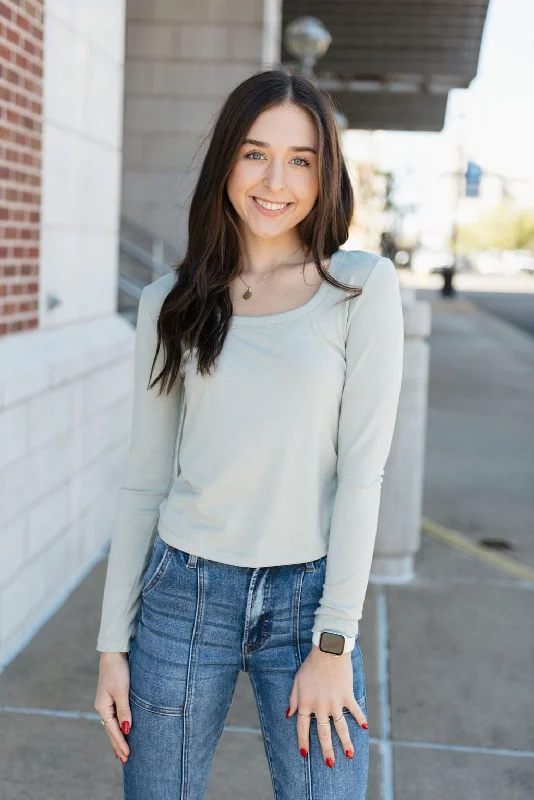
(200, 622)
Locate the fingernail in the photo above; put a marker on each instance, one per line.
(303, 751)
(287, 712)
(330, 762)
(349, 753)
(125, 727)
(365, 726)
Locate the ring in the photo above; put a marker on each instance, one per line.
(335, 719)
(105, 721)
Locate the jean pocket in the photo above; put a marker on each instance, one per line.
(362, 703)
(318, 564)
(358, 672)
(159, 560)
(172, 711)
(186, 559)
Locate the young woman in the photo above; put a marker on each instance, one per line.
(248, 507)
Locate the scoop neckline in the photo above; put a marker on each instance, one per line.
(293, 313)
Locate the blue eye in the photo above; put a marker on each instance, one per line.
(305, 161)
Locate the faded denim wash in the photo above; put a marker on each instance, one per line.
(199, 623)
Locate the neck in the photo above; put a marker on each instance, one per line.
(262, 255)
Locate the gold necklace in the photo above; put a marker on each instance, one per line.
(246, 295)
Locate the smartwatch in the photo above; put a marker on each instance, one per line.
(334, 643)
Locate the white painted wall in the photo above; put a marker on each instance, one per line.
(65, 388)
(82, 158)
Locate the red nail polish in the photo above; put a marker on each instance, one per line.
(287, 712)
(125, 727)
(349, 753)
(330, 762)
(303, 751)
(365, 726)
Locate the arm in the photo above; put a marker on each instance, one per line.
(374, 356)
(145, 483)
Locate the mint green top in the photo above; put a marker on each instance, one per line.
(275, 458)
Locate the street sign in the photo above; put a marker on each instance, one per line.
(472, 179)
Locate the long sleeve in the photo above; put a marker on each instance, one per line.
(374, 359)
(146, 479)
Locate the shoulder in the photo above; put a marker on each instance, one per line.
(357, 267)
(380, 298)
(155, 293)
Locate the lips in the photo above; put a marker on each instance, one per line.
(270, 212)
(272, 202)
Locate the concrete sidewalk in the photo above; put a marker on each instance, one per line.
(448, 657)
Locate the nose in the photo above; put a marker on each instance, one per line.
(275, 178)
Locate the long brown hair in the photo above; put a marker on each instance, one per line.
(196, 312)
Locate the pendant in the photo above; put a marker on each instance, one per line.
(247, 294)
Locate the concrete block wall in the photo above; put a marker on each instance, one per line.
(182, 59)
(65, 386)
(82, 156)
(65, 415)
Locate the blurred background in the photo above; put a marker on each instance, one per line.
(105, 112)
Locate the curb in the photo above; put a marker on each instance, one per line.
(460, 541)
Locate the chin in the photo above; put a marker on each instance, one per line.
(270, 233)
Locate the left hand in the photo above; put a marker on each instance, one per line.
(324, 685)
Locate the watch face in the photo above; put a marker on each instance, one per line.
(332, 643)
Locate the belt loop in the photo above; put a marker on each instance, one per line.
(310, 566)
(192, 561)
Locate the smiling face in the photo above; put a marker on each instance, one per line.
(277, 165)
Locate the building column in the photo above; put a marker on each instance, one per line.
(65, 355)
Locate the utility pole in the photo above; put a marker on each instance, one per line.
(448, 288)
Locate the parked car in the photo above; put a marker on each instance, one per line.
(504, 262)
(426, 260)
(518, 261)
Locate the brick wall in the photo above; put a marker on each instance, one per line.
(21, 98)
(65, 385)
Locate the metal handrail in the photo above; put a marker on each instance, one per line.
(131, 287)
(154, 259)
(143, 257)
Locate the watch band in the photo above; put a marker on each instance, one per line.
(333, 645)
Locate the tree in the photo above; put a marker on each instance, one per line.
(504, 227)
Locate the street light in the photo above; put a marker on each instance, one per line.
(307, 39)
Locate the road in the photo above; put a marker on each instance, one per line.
(509, 297)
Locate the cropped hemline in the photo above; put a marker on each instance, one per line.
(236, 558)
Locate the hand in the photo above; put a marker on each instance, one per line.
(324, 684)
(112, 691)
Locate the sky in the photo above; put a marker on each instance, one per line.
(498, 108)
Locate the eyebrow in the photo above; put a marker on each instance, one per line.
(295, 148)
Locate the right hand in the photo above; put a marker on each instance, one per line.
(112, 698)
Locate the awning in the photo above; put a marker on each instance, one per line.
(391, 63)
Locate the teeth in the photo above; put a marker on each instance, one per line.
(270, 206)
